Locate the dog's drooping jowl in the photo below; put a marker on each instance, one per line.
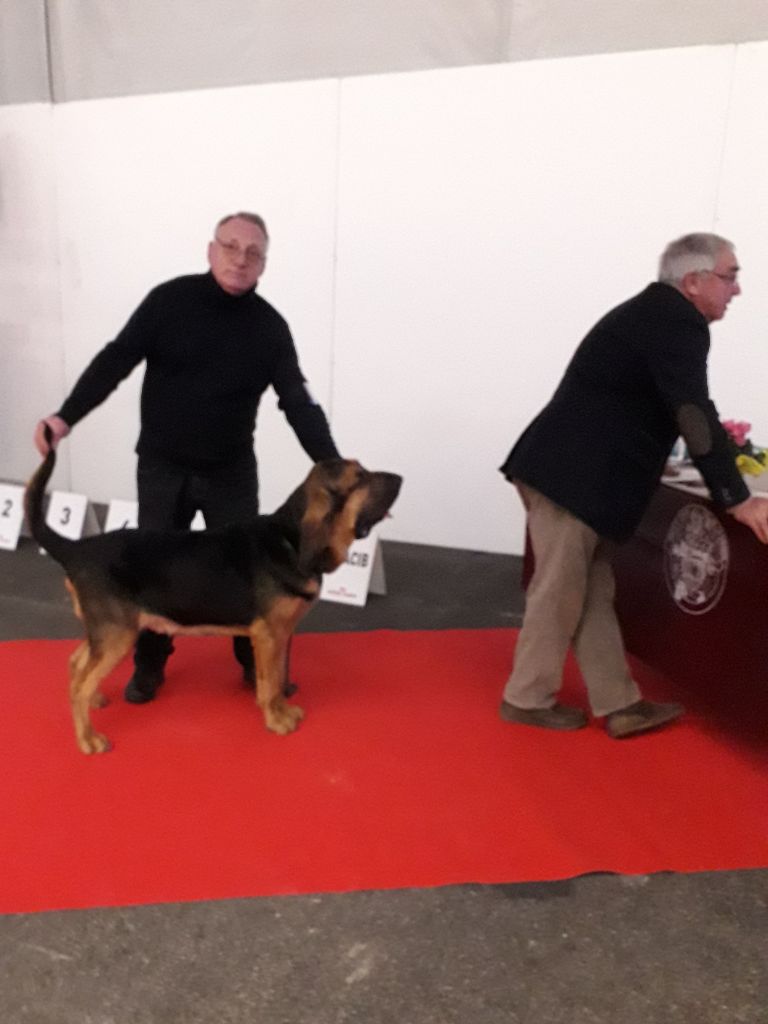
(254, 579)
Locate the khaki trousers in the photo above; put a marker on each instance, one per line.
(569, 602)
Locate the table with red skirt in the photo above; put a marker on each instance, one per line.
(692, 593)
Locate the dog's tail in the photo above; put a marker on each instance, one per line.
(56, 545)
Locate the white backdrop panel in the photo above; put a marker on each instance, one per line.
(31, 358)
(739, 352)
(142, 182)
(487, 217)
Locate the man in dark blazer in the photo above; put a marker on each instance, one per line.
(586, 469)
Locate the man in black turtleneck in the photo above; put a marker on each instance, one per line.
(212, 347)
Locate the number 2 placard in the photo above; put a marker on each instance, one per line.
(11, 515)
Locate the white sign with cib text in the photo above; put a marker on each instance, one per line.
(361, 574)
(11, 515)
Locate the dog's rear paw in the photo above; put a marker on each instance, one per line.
(284, 719)
(95, 743)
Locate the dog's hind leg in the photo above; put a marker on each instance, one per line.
(90, 663)
(98, 700)
(270, 653)
(72, 591)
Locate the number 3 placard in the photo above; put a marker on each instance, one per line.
(66, 513)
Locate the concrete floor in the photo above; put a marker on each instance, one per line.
(600, 949)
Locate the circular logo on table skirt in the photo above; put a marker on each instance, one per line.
(696, 559)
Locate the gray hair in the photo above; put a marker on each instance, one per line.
(252, 218)
(689, 255)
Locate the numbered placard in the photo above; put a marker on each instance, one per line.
(361, 574)
(124, 515)
(11, 515)
(70, 515)
(121, 515)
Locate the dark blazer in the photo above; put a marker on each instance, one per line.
(635, 383)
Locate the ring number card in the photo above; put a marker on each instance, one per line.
(71, 515)
(121, 515)
(11, 515)
(361, 574)
(124, 515)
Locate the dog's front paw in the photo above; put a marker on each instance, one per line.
(284, 718)
(94, 743)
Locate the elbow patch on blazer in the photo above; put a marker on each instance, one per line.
(694, 426)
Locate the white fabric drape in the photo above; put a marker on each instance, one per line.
(124, 47)
(101, 48)
(23, 52)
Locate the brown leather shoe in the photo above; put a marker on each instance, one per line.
(557, 717)
(640, 717)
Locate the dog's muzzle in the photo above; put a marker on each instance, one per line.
(384, 489)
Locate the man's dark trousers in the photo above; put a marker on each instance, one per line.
(169, 497)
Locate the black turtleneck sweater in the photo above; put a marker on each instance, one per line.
(209, 356)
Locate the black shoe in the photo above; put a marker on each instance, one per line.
(559, 716)
(640, 717)
(143, 685)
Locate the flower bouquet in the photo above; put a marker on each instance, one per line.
(750, 459)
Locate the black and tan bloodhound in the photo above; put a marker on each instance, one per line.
(256, 579)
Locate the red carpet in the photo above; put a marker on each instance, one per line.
(401, 775)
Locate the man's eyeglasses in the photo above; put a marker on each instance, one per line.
(731, 278)
(252, 255)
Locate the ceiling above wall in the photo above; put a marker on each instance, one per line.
(64, 50)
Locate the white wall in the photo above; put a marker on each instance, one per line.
(487, 217)
(31, 351)
(441, 241)
(739, 357)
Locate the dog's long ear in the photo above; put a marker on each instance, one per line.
(327, 521)
(315, 529)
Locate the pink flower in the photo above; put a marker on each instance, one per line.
(738, 430)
